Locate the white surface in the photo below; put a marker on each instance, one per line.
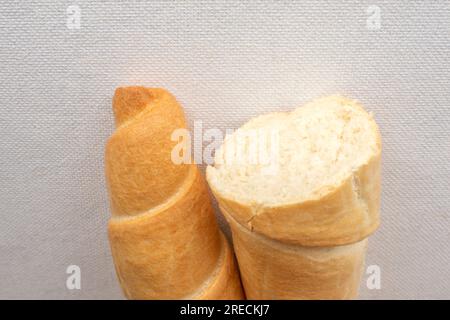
(226, 62)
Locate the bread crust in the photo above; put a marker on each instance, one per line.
(163, 234)
(225, 283)
(169, 252)
(308, 249)
(341, 214)
(347, 214)
(139, 151)
(274, 270)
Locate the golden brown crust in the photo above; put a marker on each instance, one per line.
(163, 234)
(169, 253)
(226, 283)
(139, 169)
(274, 270)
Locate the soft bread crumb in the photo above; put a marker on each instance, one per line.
(311, 151)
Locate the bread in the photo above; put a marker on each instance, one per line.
(271, 269)
(163, 233)
(225, 284)
(320, 198)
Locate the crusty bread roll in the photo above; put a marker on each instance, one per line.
(271, 269)
(299, 222)
(163, 233)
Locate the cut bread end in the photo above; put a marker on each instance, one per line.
(308, 177)
(286, 158)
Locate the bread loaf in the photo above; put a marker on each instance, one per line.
(271, 269)
(163, 233)
(300, 228)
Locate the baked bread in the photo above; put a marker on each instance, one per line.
(271, 269)
(319, 189)
(163, 233)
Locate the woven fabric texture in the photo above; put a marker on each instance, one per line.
(226, 62)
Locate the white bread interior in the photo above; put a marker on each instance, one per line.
(326, 186)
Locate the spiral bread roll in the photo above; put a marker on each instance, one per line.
(300, 231)
(164, 237)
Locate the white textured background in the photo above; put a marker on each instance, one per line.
(226, 62)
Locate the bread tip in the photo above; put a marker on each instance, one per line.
(129, 101)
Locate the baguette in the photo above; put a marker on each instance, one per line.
(300, 232)
(163, 234)
(274, 270)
